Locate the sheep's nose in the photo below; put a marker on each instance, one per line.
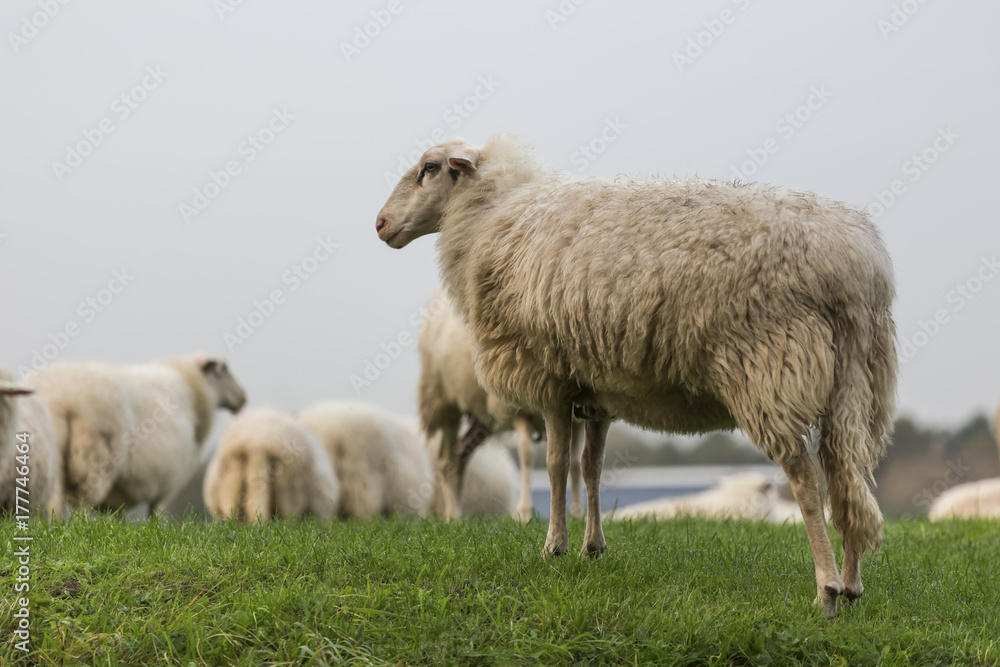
(380, 223)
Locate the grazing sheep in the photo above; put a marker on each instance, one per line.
(380, 462)
(132, 434)
(490, 489)
(268, 464)
(675, 305)
(748, 495)
(38, 453)
(970, 500)
(449, 388)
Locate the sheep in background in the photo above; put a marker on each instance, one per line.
(748, 495)
(448, 389)
(20, 412)
(683, 306)
(966, 501)
(132, 434)
(490, 490)
(380, 462)
(268, 464)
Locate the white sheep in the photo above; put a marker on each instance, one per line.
(675, 305)
(449, 389)
(973, 499)
(28, 452)
(490, 490)
(381, 463)
(748, 495)
(132, 434)
(269, 465)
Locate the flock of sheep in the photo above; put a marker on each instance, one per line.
(106, 437)
(676, 305)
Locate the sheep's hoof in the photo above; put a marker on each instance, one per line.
(525, 514)
(576, 512)
(827, 601)
(593, 551)
(853, 595)
(554, 550)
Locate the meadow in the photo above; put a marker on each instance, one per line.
(685, 592)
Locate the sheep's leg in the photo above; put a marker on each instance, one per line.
(467, 445)
(525, 452)
(851, 572)
(447, 470)
(593, 465)
(558, 431)
(805, 485)
(575, 473)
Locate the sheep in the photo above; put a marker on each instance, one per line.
(490, 490)
(33, 457)
(973, 499)
(448, 389)
(380, 462)
(675, 305)
(748, 495)
(268, 464)
(132, 434)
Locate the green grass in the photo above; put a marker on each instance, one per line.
(425, 592)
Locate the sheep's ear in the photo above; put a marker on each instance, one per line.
(208, 365)
(11, 390)
(464, 159)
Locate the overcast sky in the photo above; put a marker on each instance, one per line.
(168, 168)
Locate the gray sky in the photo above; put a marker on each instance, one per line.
(195, 157)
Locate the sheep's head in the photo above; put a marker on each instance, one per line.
(417, 203)
(231, 395)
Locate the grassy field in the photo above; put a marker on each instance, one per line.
(104, 591)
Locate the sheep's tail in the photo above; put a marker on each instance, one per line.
(224, 487)
(259, 502)
(858, 422)
(883, 365)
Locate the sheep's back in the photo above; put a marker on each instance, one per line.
(378, 458)
(626, 283)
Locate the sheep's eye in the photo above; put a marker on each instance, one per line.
(431, 167)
